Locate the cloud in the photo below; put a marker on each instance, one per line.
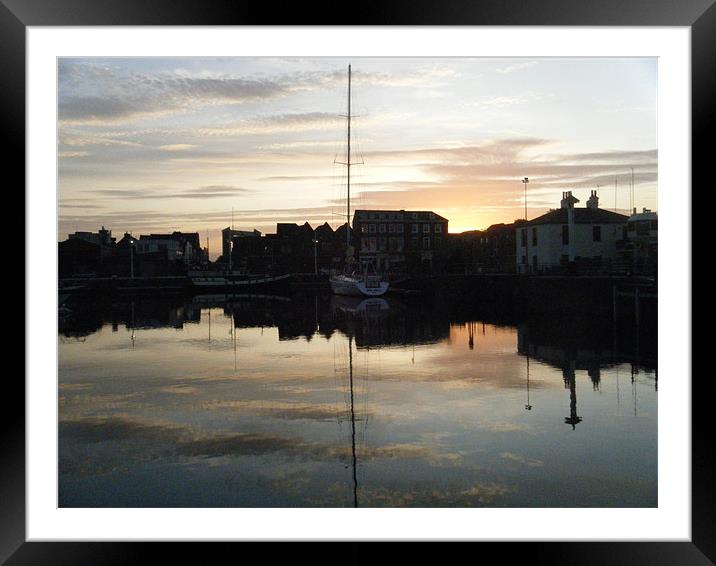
(295, 122)
(96, 93)
(205, 192)
(517, 67)
(92, 94)
(71, 154)
(176, 147)
(105, 109)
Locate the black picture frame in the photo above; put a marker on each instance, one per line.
(699, 15)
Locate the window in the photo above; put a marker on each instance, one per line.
(364, 228)
(382, 244)
(438, 228)
(416, 228)
(382, 228)
(399, 228)
(524, 259)
(596, 233)
(414, 241)
(391, 228)
(426, 243)
(565, 234)
(426, 228)
(523, 237)
(372, 228)
(534, 236)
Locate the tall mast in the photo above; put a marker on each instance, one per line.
(348, 163)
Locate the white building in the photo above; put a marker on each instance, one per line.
(568, 234)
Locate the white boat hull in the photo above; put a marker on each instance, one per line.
(343, 285)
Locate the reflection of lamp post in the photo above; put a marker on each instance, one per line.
(528, 407)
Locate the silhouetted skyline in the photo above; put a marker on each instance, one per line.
(161, 144)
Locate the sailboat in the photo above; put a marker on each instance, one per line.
(354, 282)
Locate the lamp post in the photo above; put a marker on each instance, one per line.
(131, 258)
(315, 253)
(527, 235)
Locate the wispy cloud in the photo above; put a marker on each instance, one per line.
(153, 193)
(517, 67)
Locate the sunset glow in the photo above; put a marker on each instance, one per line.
(194, 144)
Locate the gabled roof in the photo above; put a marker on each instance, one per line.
(581, 216)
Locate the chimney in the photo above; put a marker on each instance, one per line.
(593, 201)
(568, 200)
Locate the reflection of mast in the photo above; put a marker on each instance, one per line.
(353, 421)
(569, 379)
(633, 386)
(132, 336)
(528, 406)
(527, 354)
(232, 331)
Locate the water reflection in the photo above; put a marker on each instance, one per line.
(314, 400)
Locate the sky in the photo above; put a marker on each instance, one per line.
(198, 144)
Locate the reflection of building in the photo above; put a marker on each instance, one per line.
(88, 317)
(400, 240)
(585, 237)
(570, 383)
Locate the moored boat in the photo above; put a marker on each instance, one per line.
(361, 284)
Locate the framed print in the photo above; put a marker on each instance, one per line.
(387, 279)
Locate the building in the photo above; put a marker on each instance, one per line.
(102, 237)
(639, 248)
(178, 246)
(229, 235)
(294, 248)
(570, 237)
(483, 251)
(400, 240)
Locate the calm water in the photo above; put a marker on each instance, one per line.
(327, 402)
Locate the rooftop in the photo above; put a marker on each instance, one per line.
(581, 216)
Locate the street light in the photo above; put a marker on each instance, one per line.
(131, 257)
(315, 253)
(527, 235)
